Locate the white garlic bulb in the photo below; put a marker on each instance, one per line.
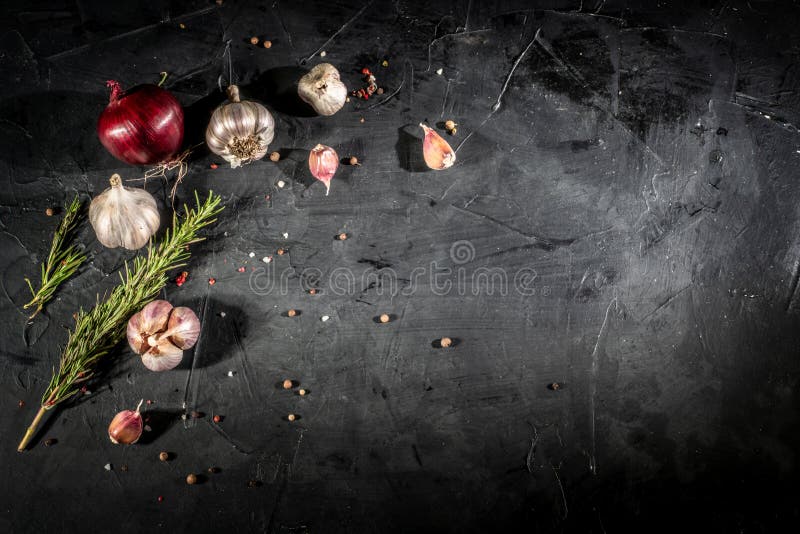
(322, 88)
(124, 216)
(240, 131)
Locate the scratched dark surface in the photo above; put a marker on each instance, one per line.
(622, 220)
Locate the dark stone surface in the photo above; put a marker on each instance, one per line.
(624, 224)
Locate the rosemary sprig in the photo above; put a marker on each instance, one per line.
(99, 330)
(62, 262)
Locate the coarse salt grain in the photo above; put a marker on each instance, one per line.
(439, 71)
(323, 53)
(266, 259)
(230, 373)
(286, 235)
(252, 254)
(281, 183)
(222, 314)
(324, 318)
(107, 467)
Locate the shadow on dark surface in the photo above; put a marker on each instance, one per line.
(220, 339)
(159, 422)
(196, 117)
(278, 89)
(409, 149)
(295, 166)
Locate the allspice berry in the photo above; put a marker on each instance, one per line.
(353, 161)
(163, 456)
(49, 212)
(291, 313)
(449, 125)
(254, 40)
(267, 44)
(217, 418)
(312, 291)
(342, 236)
(281, 252)
(384, 318)
(302, 392)
(274, 156)
(291, 417)
(191, 478)
(287, 384)
(445, 342)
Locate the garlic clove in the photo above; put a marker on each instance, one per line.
(323, 162)
(183, 328)
(240, 131)
(151, 320)
(124, 216)
(437, 152)
(322, 89)
(126, 427)
(163, 356)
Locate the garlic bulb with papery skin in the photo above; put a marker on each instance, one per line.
(240, 131)
(126, 427)
(437, 152)
(322, 89)
(323, 162)
(160, 334)
(124, 216)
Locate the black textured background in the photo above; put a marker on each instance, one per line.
(638, 181)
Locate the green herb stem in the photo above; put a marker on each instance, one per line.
(62, 262)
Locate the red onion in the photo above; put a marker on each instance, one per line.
(142, 126)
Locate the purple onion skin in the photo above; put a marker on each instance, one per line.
(142, 126)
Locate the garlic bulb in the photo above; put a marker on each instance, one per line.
(323, 162)
(124, 216)
(322, 88)
(240, 131)
(436, 151)
(160, 334)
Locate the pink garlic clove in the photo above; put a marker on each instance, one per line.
(183, 328)
(163, 356)
(126, 427)
(437, 152)
(323, 162)
(152, 319)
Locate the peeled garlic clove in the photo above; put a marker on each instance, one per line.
(437, 152)
(126, 427)
(162, 355)
(183, 328)
(322, 88)
(124, 216)
(151, 320)
(323, 162)
(240, 131)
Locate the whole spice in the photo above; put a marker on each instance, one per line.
(254, 40)
(100, 329)
(291, 313)
(275, 156)
(62, 261)
(126, 427)
(141, 126)
(353, 161)
(49, 442)
(287, 384)
(323, 162)
(323, 89)
(267, 44)
(291, 417)
(163, 456)
(124, 216)
(49, 212)
(240, 131)
(191, 479)
(449, 125)
(342, 236)
(437, 152)
(160, 334)
(445, 342)
(384, 318)
(303, 392)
